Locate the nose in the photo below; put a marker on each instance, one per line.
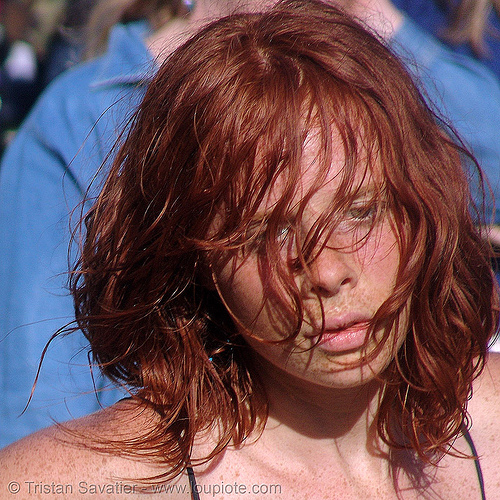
(330, 272)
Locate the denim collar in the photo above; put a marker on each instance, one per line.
(127, 61)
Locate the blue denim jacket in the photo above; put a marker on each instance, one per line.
(44, 175)
(50, 165)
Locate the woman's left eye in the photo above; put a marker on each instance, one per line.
(362, 213)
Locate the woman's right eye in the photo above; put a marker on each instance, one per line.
(283, 233)
(258, 234)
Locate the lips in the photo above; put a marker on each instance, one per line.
(343, 333)
(350, 328)
(341, 323)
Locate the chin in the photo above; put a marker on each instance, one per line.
(348, 376)
(339, 371)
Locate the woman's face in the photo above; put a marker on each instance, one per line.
(348, 281)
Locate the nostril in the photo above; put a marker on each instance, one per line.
(346, 281)
(323, 291)
(330, 272)
(329, 285)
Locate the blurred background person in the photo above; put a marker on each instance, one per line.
(45, 174)
(66, 46)
(39, 39)
(19, 65)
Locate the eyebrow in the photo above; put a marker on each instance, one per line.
(369, 190)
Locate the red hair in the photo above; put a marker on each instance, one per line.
(225, 117)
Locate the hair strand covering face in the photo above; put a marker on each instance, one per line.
(225, 118)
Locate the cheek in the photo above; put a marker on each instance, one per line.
(258, 309)
(241, 289)
(383, 259)
(379, 260)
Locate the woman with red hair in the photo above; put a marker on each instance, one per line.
(285, 271)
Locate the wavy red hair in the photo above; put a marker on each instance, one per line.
(225, 117)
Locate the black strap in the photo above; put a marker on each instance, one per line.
(192, 483)
(479, 472)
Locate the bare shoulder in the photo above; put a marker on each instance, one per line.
(484, 409)
(67, 449)
(65, 460)
(485, 402)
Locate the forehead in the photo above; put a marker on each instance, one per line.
(327, 169)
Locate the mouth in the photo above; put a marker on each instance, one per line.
(343, 334)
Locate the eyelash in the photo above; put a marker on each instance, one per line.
(363, 213)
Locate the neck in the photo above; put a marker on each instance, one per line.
(177, 30)
(169, 36)
(301, 415)
(379, 15)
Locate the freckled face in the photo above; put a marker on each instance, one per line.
(348, 281)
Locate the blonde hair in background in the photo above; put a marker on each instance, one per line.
(468, 23)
